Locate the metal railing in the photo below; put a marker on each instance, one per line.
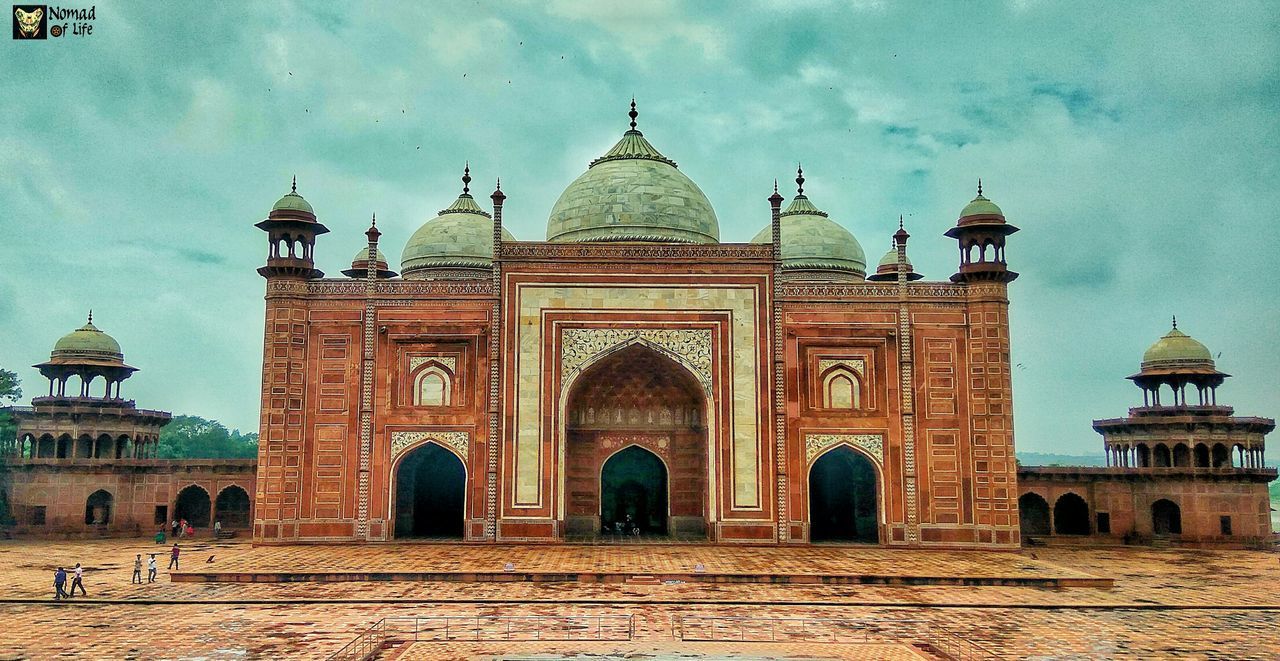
(920, 633)
(485, 628)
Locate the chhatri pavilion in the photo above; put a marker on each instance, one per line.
(633, 375)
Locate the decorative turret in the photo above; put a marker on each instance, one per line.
(982, 229)
(1178, 360)
(887, 269)
(86, 353)
(291, 229)
(360, 263)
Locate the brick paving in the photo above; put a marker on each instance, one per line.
(1165, 604)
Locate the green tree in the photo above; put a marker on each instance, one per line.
(10, 392)
(193, 437)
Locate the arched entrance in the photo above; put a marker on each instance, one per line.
(1166, 517)
(97, 508)
(1033, 514)
(641, 412)
(633, 493)
(842, 498)
(193, 505)
(431, 488)
(1071, 515)
(232, 508)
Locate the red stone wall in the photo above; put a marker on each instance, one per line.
(1203, 496)
(136, 486)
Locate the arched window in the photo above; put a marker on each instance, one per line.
(841, 389)
(1202, 455)
(1166, 517)
(1181, 455)
(432, 387)
(1162, 456)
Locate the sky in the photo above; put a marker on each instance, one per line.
(1137, 145)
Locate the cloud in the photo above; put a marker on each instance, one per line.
(1134, 145)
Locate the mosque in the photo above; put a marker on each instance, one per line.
(632, 375)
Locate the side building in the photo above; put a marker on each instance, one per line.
(1186, 471)
(83, 461)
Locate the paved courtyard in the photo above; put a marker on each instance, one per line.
(1164, 603)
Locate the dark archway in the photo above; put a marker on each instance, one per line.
(232, 508)
(1162, 457)
(1166, 517)
(1181, 456)
(431, 489)
(633, 492)
(1221, 456)
(1202, 455)
(1033, 515)
(842, 498)
(636, 396)
(97, 509)
(1071, 515)
(1144, 456)
(193, 506)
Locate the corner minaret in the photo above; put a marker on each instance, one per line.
(291, 229)
(981, 231)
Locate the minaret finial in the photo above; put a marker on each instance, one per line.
(799, 180)
(375, 220)
(1175, 321)
(294, 189)
(633, 114)
(979, 186)
(498, 186)
(466, 178)
(775, 185)
(899, 221)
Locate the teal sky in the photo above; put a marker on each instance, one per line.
(1137, 145)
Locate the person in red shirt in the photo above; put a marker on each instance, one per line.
(173, 557)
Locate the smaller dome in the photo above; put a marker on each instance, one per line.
(811, 241)
(292, 201)
(887, 269)
(461, 237)
(362, 255)
(981, 206)
(1176, 349)
(87, 342)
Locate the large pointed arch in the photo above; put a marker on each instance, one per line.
(838, 487)
(692, 523)
(428, 491)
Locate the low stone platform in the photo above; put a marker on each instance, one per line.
(639, 564)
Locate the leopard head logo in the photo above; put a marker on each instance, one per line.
(28, 22)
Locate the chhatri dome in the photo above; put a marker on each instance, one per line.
(461, 237)
(360, 262)
(812, 241)
(87, 345)
(1177, 351)
(633, 193)
(292, 201)
(887, 269)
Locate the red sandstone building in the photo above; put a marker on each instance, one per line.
(84, 461)
(1191, 472)
(634, 375)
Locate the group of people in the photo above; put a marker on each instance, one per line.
(181, 528)
(60, 582)
(77, 581)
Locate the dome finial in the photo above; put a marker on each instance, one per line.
(466, 178)
(294, 188)
(979, 186)
(633, 114)
(91, 315)
(1175, 322)
(799, 180)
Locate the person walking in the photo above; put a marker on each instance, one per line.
(59, 580)
(151, 569)
(217, 529)
(78, 581)
(173, 556)
(174, 526)
(182, 527)
(137, 570)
